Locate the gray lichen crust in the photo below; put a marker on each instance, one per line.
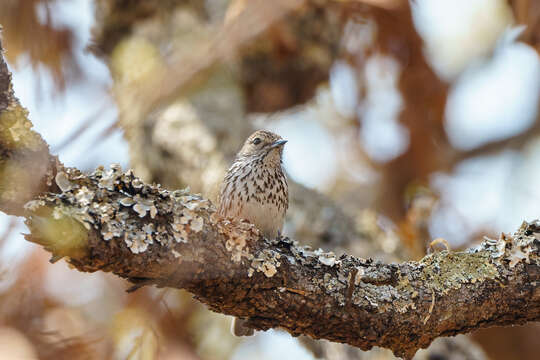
(120, 206)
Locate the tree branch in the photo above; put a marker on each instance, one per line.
(112, 221)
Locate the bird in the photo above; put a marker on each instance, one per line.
(255, 189)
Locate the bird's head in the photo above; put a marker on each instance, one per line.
(265, 145)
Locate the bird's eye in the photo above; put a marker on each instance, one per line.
(256, 141)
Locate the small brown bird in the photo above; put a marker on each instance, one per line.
(255, 188)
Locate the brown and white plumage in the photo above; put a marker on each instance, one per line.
(255, 187)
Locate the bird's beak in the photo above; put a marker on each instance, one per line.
(278, 143)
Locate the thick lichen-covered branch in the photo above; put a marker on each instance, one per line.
(111, 221)
(149, 235)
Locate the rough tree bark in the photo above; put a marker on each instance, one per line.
(111, 221)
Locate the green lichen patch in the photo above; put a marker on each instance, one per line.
(14, 180)
(15, 130)
(59, 233)
(445, 271)
(134, 59)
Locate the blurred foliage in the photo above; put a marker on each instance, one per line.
(32, 36)
(44, 329)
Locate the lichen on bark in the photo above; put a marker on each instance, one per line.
(278, 283)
